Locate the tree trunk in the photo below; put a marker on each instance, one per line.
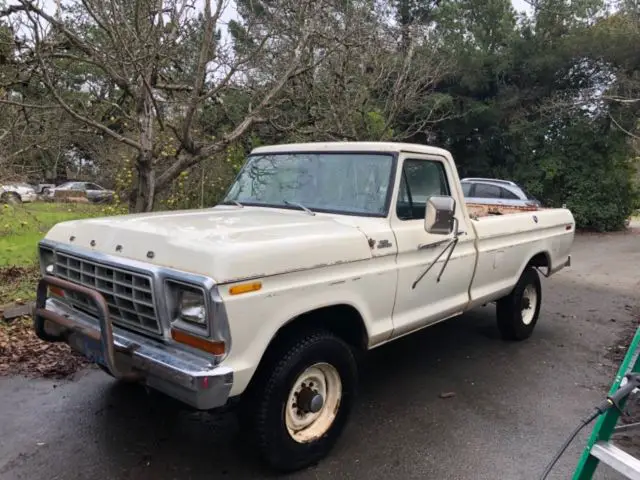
(144, 192)
(405, 20)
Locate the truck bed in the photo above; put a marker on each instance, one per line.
(507, 237)
(477, 210)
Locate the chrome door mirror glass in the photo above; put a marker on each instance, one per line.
(439, 218)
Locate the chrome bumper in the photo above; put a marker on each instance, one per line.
(178, 373)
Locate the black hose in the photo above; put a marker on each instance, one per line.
(568, 441)
(633, 382)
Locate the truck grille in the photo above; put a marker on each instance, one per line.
(128, 294)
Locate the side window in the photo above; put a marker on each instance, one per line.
(484, 190)
(466, 189)
(420, 180)
(507, 194)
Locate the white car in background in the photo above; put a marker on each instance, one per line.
(17, 193)
(497, 192)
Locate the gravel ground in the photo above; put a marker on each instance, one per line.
(513, 406)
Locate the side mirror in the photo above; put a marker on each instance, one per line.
(439, 218)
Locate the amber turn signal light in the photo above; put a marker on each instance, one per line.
(215, 348)
(56, 291)
(245, 288)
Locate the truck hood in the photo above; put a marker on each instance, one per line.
(225, 243)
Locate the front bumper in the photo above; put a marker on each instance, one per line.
(178, 373)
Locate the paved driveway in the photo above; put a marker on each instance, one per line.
(513, 405)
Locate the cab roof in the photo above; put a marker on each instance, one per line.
(387, 147)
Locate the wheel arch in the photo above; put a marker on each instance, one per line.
(539, 260)
(342, 319)
(6, 196)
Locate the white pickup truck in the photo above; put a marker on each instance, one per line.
(319, 251)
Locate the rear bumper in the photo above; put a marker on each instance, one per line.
(178, 373)
(567, 263)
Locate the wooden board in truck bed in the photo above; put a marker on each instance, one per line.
(483, 210)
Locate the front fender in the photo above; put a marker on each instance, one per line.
(255, 318)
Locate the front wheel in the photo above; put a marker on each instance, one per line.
(302, 401)
(518, 312)
(11, 198)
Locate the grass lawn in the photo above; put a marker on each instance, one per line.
(21, 227)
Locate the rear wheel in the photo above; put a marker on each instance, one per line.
(518, 312)
(299, 406)
(11, 198)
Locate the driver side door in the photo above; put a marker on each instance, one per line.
(429, 300)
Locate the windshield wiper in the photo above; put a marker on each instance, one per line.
(299, 205)
(234, 202)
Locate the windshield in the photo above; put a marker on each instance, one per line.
(350, 183)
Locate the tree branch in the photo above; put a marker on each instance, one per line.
(82, 118)
(621, 99)
(185, 161)
(28, 6)
(632, 135)
(176, 87)
(201, 69)
(29, 105)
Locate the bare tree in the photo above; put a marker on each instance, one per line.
(379, 74)
(167, 79)
(145, 71)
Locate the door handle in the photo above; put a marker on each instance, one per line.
(425, 246)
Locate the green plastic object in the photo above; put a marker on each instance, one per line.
(606, 424)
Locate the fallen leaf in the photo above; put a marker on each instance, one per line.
(22, 352)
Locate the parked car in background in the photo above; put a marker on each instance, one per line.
(17, 193)
(496, 191)
(95, 193)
